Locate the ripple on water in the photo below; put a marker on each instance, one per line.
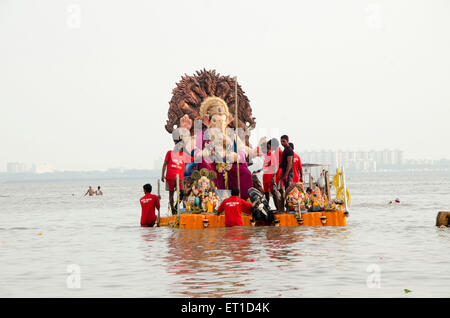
(117, 257)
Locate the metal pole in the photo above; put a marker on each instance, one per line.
(345, 189)
(236, 100)
(178, 195)
(327, 186)
(159, 195)
(310, 179)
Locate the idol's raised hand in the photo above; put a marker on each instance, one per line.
(186, 122)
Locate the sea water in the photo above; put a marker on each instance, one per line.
(56, 242)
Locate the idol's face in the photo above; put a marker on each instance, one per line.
(219, 121)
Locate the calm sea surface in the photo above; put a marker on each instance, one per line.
(53, 239)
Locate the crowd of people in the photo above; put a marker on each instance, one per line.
(282, 167)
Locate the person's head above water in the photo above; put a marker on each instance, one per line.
(397, 200)
(235, 192)
(98, 187)
(147, 188)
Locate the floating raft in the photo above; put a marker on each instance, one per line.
(201, 221)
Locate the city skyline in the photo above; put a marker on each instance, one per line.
(346, 158)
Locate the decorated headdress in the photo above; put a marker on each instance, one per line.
(192, 91)
(196, 174)
(298, 186)
(213, 106)
(316, 189)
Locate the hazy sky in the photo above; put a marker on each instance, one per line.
(85, 84)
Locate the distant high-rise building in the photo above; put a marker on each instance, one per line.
(398, 155)
(356, 160)
(386, 157)
(11, 167)
(41, 168)
(16, 167)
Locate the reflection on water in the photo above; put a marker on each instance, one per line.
(229, 262)
(46, 229)
(198, 255)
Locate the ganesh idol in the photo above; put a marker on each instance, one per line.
(202, 115)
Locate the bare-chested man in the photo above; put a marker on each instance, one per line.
(90, 191)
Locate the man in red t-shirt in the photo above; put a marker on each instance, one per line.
(174, 162)
(233, 206)
(270, 173)
(297, 165)
(148, 204)
(278, 180)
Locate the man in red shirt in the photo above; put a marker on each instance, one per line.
(278, 177)
(233, 206)
(270, 171)
(298, 169)
(174, 162)
(148, 203)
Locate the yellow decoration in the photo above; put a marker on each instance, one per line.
(339, 187)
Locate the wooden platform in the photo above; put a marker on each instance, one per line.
(201, 221)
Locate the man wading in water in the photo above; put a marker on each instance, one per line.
(99, 191)
(148, 203)
(90, 191)
(233, 206)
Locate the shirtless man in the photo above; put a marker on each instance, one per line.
(90, 191)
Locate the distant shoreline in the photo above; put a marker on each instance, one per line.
(89, 176)
(78, 176)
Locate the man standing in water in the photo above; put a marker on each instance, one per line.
(90, 191)
(148, 204)
(99, 191)
(233, 206)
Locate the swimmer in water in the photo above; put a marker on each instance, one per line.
(395, 202)
(90, 191)
(99, 192)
